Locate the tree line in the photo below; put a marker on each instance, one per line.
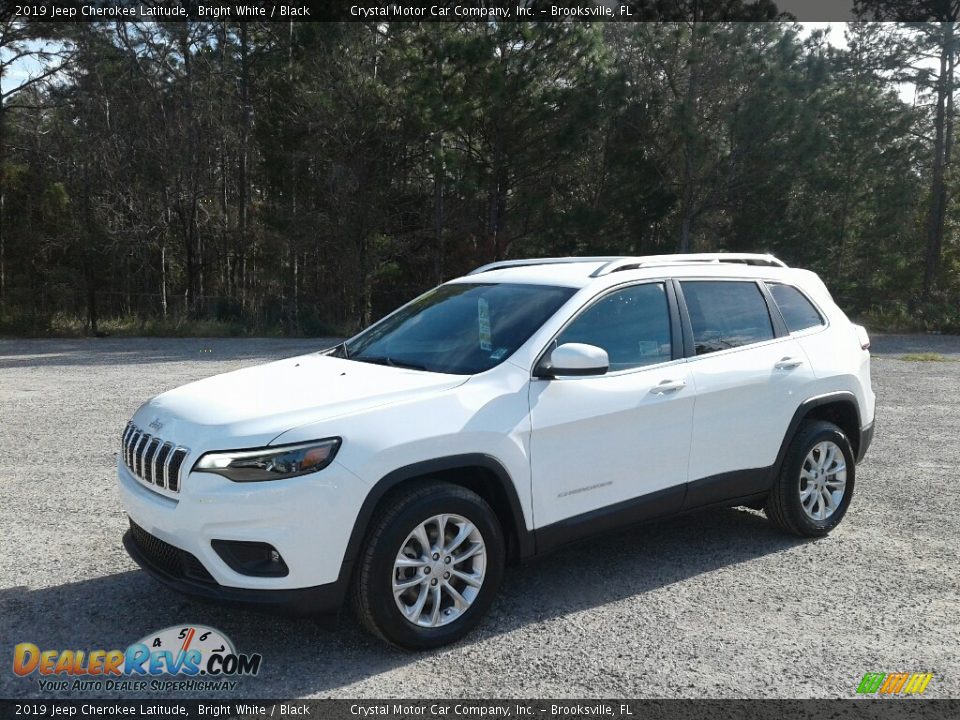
(305, 178)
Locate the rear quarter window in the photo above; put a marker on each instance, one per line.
(798, 312)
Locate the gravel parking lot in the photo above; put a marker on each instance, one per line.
(716, 604)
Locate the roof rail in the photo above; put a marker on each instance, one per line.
(632, 263)
(499, 265)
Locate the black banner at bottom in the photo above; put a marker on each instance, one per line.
(854, 709)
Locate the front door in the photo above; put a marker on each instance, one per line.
(613, 448)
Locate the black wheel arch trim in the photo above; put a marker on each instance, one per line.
(840, 396)
(524, 537)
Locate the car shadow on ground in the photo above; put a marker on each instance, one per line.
(300, 657)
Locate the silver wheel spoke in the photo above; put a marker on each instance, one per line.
(441, 521)
(416, 610)
(828, 501)
(468, 579)
(403, 585)
(457, 541)
(839, 467)
(459, 601)
(421, 535)
(476, 549)
(409, 562)
(435, 610)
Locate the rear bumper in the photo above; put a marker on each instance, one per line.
(866, 437)
(318, 600)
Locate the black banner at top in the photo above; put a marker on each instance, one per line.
(465, 10)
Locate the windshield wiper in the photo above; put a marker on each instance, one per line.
(389, 361)
(339, 350)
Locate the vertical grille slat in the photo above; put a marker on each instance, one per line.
(152, 459)
(176, 461)
(135, 451)
(160, 465)
(141, 451)
(148, 456)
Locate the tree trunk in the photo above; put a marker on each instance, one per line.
(3, 254)
(240, 261)
(688, 128)
(163, 275)
(438, 172)
(943, 125)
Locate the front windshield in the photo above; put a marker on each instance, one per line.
(461, 328)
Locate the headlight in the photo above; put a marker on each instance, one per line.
(274, 463)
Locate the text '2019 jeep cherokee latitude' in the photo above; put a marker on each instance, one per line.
(498, 416)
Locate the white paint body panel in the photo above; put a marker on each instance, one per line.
(601, 440)
(744, 405)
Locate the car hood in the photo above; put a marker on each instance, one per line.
(251, 407)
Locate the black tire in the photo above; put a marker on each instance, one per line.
(783, 507)
(396, 518)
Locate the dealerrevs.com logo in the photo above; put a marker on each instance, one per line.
(192, 657)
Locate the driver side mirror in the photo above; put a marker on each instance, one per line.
(573, 359)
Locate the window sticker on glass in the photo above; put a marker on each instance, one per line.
(498, 353)
(483, 316)
(649, 348)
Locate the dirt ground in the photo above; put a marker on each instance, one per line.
(716, 604)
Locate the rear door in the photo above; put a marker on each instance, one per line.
(750, 376)
(613, 448)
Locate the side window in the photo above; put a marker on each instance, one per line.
(797, 311)
(726, 314)
(632, 325)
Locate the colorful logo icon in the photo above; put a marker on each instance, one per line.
(894, 683)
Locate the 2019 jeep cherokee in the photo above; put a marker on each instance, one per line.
(498, 416)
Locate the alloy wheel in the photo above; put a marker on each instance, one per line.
(823, 480)
(439, 570)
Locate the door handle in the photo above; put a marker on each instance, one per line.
(788, 362)
(668, 386)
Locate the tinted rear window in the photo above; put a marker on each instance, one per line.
(798, 312)
(726, 314)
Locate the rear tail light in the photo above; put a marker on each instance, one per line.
(863, 337)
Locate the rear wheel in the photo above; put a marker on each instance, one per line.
(431, 566)
(815, 486)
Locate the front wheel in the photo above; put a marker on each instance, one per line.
(815, 485)
(431, 566)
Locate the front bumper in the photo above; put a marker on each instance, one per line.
(318, 600)
(308, 519)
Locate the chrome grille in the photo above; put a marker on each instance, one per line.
(152, 459)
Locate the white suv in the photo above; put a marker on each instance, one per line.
(497, 417)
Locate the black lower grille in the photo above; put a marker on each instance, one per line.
(168, 558)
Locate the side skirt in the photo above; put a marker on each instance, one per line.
(743, 487)
(726, 486)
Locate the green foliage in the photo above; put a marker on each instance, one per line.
(304, 179)
(925, 357)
